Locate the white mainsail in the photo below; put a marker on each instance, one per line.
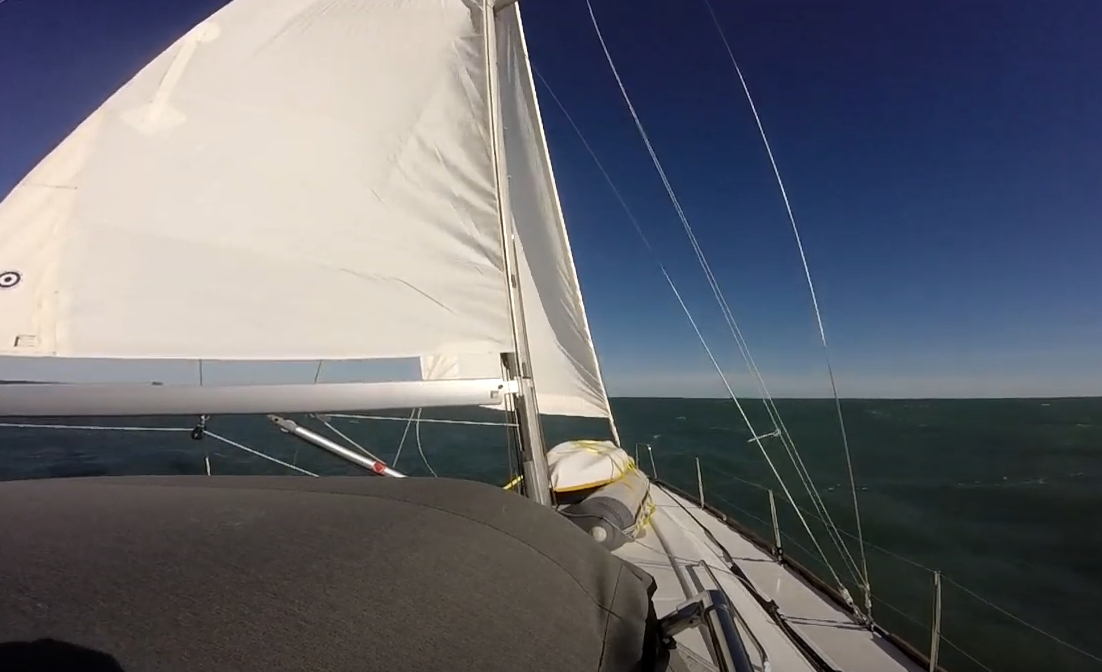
(564, 362)
(298, 179)
(303, 180)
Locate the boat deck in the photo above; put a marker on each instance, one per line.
(826, 628)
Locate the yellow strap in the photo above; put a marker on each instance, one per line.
(513, 483)
(600, 448)
(645, 519)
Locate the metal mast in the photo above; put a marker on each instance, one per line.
(518, 366)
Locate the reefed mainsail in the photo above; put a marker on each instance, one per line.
(564, 363)
(304, 180)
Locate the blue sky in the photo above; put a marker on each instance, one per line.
(944, 161)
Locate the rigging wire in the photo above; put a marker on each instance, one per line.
(707, 349)
(347, 438)
(414, 413)
(789, 445)
(736, 332)
(103, 428)
(811, 289)
(881, 549)
(677, 293)
(708, 274)
(414, 419)
(420, 448)
(241, 446)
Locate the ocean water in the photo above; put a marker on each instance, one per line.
(1003, 497)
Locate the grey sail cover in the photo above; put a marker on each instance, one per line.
(290, 573)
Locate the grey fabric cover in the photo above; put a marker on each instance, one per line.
(292, 573)
(615, 508)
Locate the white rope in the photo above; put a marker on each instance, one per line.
(484, 423)
(811, 289)
(259, 454)
(712, 282)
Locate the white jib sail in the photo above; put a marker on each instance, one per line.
(564, 363)
(292, 179)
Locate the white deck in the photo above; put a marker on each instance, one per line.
(826, 628)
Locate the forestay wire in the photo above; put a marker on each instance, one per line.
(811, 289)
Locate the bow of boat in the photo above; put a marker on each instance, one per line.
(785, 622)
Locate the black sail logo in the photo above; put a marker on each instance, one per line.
(9, 279)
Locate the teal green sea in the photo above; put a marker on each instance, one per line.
(1004, 497)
